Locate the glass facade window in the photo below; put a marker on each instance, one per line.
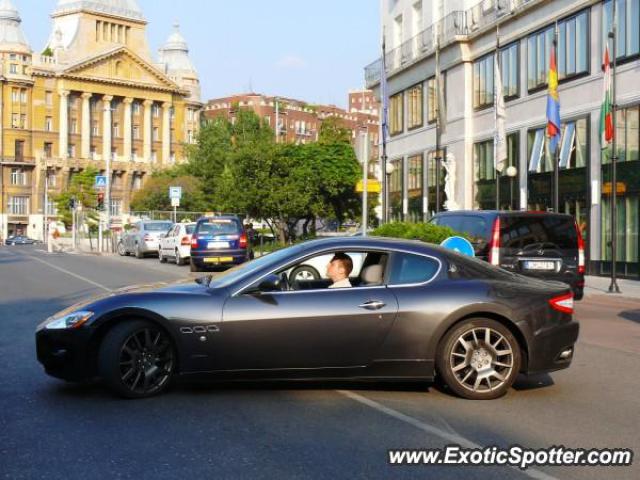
(483, 73)
(538, 55)
(509, 68)
(432, 97)
(485, 173)
(415, 101)
(627, 128)
(18, 177)
(483, 160)
(628, 41)
(414, 186)
(432, 180)
(19, 205)
(396, 114)
(573, 46)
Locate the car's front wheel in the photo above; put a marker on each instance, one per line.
(138, 252)
(479, 359)
(121, 250)
(136, 359)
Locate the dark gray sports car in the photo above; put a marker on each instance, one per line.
(413, 311)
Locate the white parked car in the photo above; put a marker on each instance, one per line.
(316, 268)
(176, 243)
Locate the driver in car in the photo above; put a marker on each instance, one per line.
(339, 269)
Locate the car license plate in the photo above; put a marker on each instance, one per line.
(218, 259)
(539, 265)
(218, 245)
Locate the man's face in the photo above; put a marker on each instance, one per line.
(335, 270)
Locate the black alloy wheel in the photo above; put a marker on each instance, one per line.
(137, 359)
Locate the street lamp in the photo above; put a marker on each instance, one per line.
(389, 170)
(512, 172)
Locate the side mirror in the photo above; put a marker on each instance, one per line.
(270, 283)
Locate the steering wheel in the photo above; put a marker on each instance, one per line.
(285, 286)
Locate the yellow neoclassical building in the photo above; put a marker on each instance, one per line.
(93, 95)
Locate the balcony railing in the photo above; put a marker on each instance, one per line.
(482, 15)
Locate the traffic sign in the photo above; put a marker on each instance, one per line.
(175, 192)
(175, 201)
(373, 186)
(101, 181)
(460, 245)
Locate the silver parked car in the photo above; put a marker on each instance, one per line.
(143, 238)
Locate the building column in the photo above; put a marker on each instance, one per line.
(127, 128)
(106, 127)
(148, 105)
(63, 141)
(86, 125)
(166, 132)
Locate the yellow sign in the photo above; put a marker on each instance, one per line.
(621, 187)
(373, 186)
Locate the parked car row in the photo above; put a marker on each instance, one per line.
(209, 242)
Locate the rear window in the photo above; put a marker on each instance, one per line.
(157, 227)
(538, 232)
(189, 229)
(476, 227)
(219, 227)
(408, 268)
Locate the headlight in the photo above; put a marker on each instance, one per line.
(70, 320)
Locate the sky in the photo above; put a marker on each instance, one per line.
(312, 51)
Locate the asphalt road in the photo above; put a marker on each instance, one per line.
(51, 429)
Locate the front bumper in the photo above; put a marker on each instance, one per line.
(66, 354)
(547, 346)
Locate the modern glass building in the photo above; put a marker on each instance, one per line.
(471, 36)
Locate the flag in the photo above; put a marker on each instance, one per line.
(384, 97)
(500, 141)
(553, 104)
(606, 114)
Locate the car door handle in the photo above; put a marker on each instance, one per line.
(372, 305)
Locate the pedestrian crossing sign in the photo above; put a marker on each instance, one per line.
(101, 181)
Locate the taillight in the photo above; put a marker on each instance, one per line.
(563, 303)
(243, 240)
(194, 241)
(185, 241)
(494, 246)
(147, 237)
(581, 263)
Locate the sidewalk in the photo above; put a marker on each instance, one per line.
(600, 285)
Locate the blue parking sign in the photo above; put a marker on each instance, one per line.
(460, 245)
(101, 181)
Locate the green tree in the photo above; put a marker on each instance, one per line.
(81, 190)
(333, 130)
(155, 193)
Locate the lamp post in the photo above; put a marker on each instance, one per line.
(512, 172)
(389, 170)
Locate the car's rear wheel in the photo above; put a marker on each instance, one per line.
(138, 252)
(161, 257)
(179, 260)
(479, 359)
(304, 273)
(193, 267)
(136, 359)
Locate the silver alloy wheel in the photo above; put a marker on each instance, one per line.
(481, 359)
(305, 275)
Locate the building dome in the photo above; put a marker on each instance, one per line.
(176, 64)
(128, 9)
(11, 35)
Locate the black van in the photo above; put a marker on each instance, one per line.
(537, 244)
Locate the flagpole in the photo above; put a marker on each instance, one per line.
(438, 126)
(495, 117)
(383, 131)
(613, 287)
(556, 153)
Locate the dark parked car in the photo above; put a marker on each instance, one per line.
(414, 311)
(544, 245)
(218, 241)
(19, 240)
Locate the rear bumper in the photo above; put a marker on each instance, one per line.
(547, 346)
(223, 257)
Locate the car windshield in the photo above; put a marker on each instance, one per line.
(243, 270)
(157, 227)
(218, 227)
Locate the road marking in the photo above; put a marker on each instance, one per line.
(425, 427)
(68, 272)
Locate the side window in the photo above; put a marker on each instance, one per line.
(407, 268)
